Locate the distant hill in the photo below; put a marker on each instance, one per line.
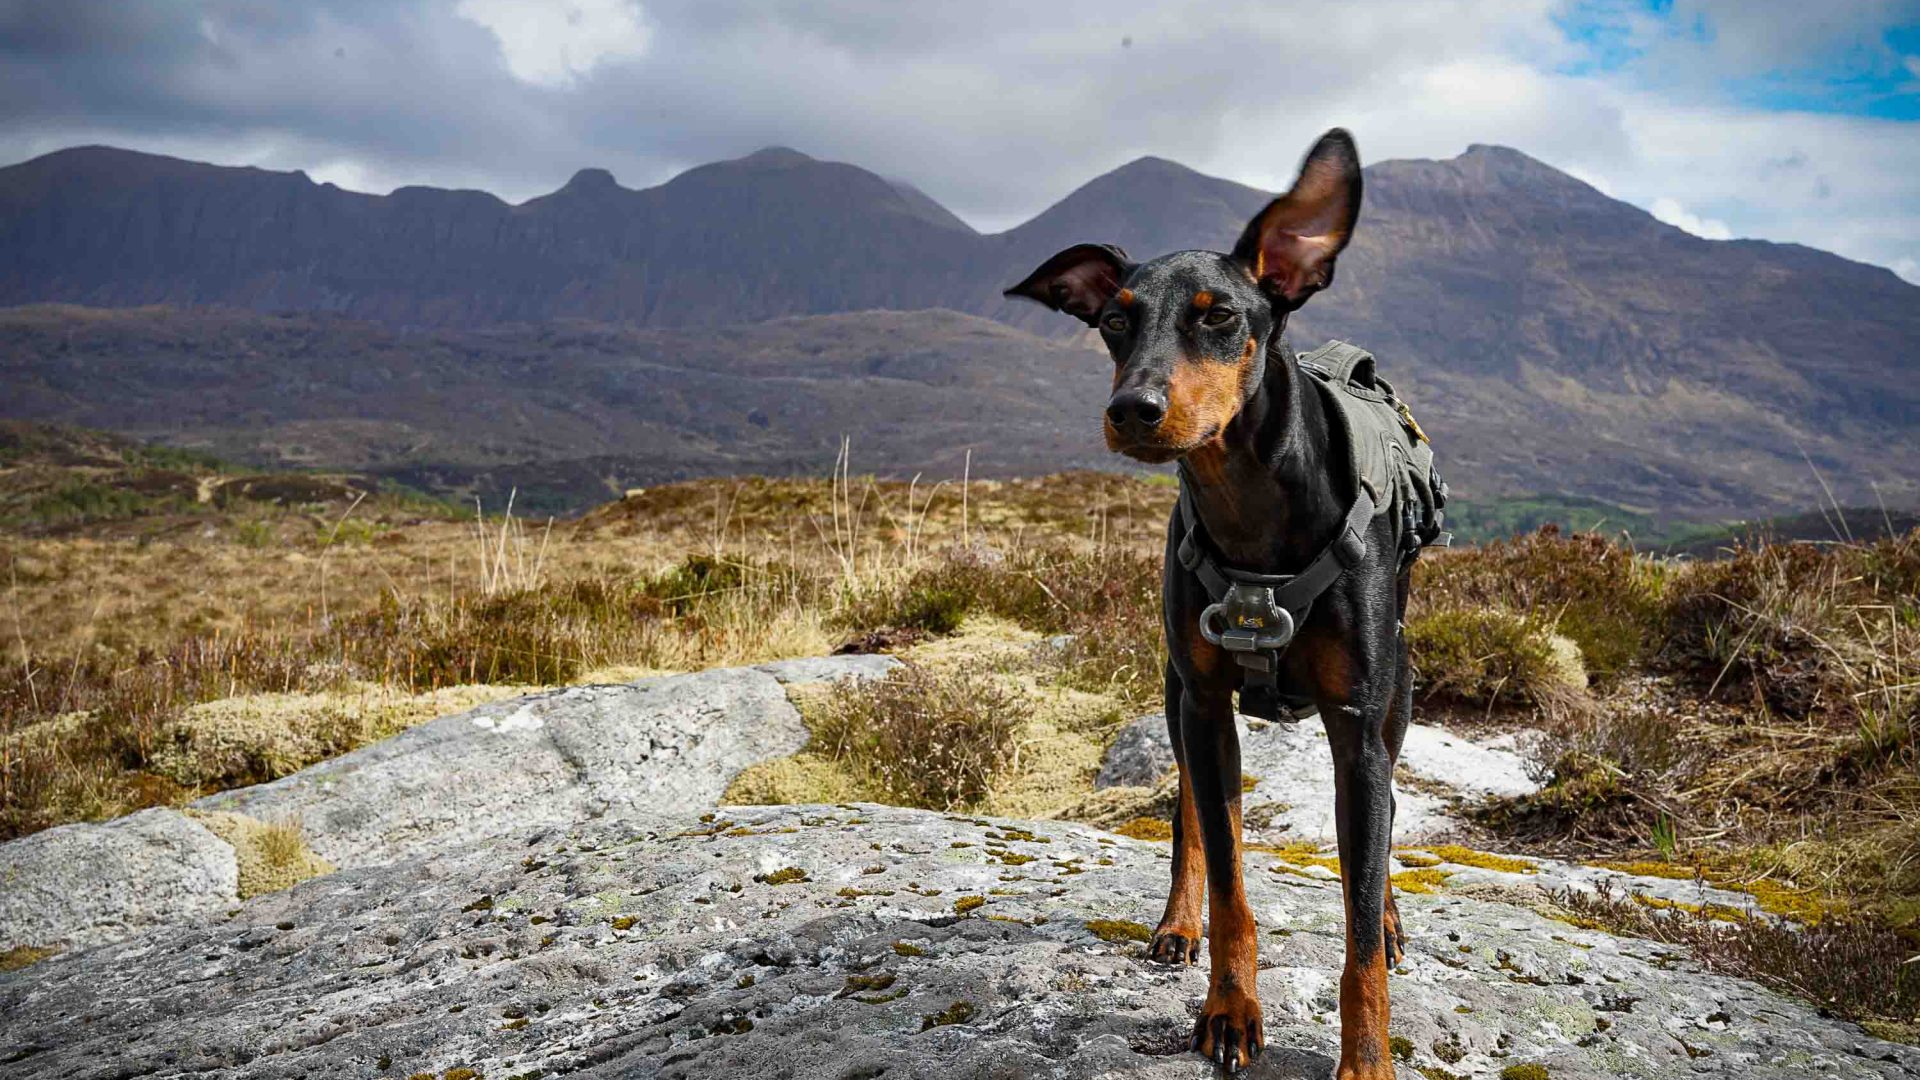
(570, 413)
(1555, 341)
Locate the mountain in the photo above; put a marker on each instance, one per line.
(772, 234)
(1554, 340)
(570, 413)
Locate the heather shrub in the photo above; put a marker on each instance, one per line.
(921, 738)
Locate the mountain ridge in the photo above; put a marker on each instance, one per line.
(1556, 340)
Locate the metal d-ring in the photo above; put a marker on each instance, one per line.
(1245, 640)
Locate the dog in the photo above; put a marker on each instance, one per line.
(1202, 376)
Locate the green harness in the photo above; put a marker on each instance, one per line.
(1254, 616)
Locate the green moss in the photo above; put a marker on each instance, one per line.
(957, 1013)
(23, 956)
(787, 876)
(1527, 1070)
(624, 922)
(1118, 930)
(1145, 828)
(859, 984)
(902, 948)
(1401, 1046)
(968, 903)
(1421, 881)
(1466, 856)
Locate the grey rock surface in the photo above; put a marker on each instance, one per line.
(79, 885)
(1293, 798)
(1140, 755)
(665, 745)
(669, 744)
(643, 947)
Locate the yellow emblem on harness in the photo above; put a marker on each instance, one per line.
(1406, 417)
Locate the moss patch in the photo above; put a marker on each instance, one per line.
(1425, 880)
(1118, 931)
(271, 856)
(1466, 856)
(254, 738)
(957, 1013)
(1528, 1070)
(968, 903)
(24, 956)
(1147, 829)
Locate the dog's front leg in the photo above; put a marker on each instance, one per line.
(1177, 939)
(1229, 1029)
(1363, 815)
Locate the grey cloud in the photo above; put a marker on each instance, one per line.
(994, 108)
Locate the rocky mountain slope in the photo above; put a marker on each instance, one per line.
(1556, 340)
(577, 914)
(571, 414)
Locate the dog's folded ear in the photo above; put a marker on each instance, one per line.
(1078, 281)
(1289, 247)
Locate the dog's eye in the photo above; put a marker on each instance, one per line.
(1217, 317)
(1116, 323)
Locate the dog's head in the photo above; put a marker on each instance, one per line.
(1189, 331)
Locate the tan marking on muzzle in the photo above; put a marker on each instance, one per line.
(1203, 395)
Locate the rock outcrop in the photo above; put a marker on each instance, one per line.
(854, 941)
(529, 889)
(552, 759)
(1292, 793)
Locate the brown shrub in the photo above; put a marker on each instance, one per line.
(1829, 633)
(1595, 592)
(920, 738)
(1486, 656)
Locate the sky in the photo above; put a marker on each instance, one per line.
(1792, 120)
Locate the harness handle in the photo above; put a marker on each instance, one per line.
(1234, 639)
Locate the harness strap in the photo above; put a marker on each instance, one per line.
(1295, 592)
(1290, 597)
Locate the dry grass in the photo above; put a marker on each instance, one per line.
(1042, 740)
(271, 855)
(1754, 716)
(917, 739)
(148, 669)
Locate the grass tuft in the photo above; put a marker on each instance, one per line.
(921, 738)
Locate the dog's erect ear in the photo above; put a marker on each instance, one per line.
(1078, 281)
(1289, 247)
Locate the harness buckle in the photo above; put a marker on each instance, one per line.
(1247, 620)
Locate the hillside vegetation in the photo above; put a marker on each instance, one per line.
(1748, 721)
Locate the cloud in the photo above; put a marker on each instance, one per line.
(554, 43)
(1671, 212)
(996, 108)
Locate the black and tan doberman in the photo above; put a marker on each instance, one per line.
(1202, 376)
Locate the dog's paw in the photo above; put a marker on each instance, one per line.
(1394, 935)
(1175, 945)
(1230, 1031)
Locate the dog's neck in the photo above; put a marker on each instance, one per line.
(1267, 489)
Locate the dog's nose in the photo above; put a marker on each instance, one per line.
(1140, 408)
